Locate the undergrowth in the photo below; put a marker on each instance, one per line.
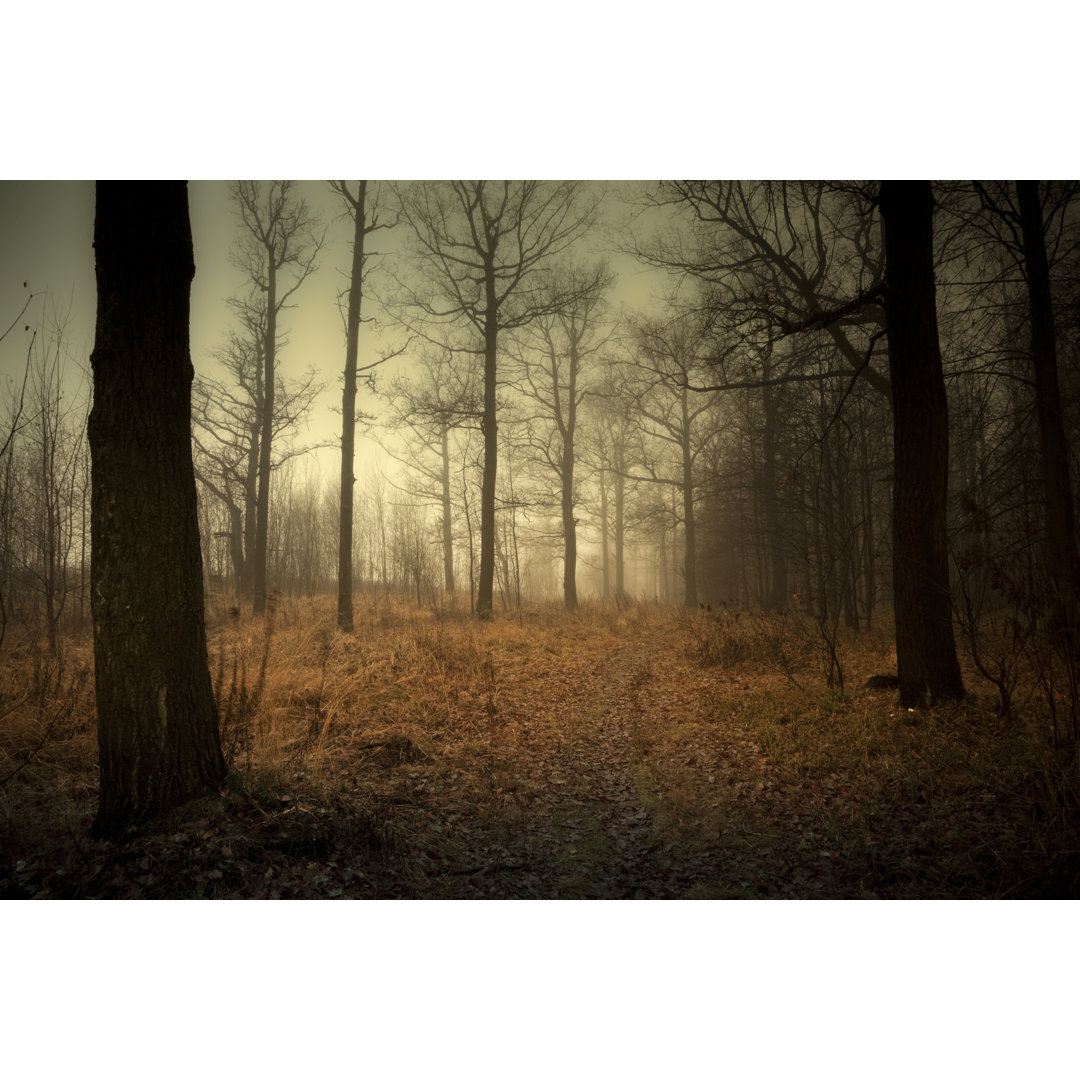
(429, 754)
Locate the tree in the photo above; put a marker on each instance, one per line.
(674, 417)
(158, 736)
(278, 233)
(479, 246)
(1060, 515)
(441, 397)
(925, 644)
(227, 423)
(358, 207)
(552, 362)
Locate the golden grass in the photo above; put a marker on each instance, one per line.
(610, 752)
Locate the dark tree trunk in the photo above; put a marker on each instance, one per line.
(690, 592)
(1061, 547)
(486, 587)
(777, 587)
(605, 561)
(569, 527)
(925, 645)
(569, 432)
(620, 523)
(348, 414)
(157, 723)
(447, 512)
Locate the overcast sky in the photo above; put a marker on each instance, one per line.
(46, 240)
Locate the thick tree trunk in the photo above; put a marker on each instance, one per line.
(1061, 545)
(157, 722)
(925, 645)
(348, 415)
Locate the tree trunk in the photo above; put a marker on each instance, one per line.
(348, 415)
(620, 523)
(157, 722)
(925, 645)
(569, 528)
(777, 585)
(262, 516)
(447, 512)
(489, 425)
(1061, 547)
(690, 593)
(605, 567)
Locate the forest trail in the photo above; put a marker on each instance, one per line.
(571, 758)
(593, 831)
(583, 800)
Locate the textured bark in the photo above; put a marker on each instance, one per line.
(925, 644)
(157, 723)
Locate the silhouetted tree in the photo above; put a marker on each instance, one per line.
(278, 232)
(925, 644)
(365, 221)
(227, 419)
(553, 361)
(440, 397)
(479, 244)
(157, 722)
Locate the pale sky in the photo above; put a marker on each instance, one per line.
(46, 238)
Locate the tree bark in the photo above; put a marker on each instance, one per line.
(925, 645)
(158, 733)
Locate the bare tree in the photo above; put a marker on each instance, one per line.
(441, 397)
(479, 245)
(365, 219)
(278, 233)
(552, 361)
(674, 417)
(227, 419)
(157, 722)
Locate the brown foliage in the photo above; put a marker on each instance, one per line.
(552, 756)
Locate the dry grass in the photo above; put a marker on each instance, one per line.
(613, 752)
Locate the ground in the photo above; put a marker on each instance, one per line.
(615, 753)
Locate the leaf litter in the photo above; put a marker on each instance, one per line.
(589, 756)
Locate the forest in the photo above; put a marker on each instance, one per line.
(637, 540)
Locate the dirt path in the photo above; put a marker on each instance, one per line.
(583, 817)
(583, 760)
(592, 832)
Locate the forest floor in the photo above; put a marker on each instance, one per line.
(614, 753)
